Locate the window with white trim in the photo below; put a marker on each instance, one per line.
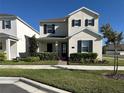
(76, 23)
(49, 28)
(6, 24)
(86, 46)
(89, 22)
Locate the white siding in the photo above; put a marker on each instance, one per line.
(81, 15)
(97, 44)
(11, 31)
(22, 31)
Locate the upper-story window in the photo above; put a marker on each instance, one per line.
(89, 22)
(6, 24)
(49, 29)
(76, 23)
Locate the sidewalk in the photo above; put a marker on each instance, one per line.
(84, 67)
(74, 67)
(28, 67)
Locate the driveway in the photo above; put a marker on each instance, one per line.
(10, 88)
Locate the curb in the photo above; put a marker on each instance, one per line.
(44, 87)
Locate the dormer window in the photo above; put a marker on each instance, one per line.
(49, 29)
(76, 23)
(89, 22)
(6, 24)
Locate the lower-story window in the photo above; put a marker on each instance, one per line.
(85, 45)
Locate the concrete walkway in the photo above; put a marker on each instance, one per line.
(75, 67)
(84, 67)
(27, 67)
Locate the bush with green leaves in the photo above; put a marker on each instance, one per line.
(48, 56)
(31, 59)
(2, 56)
(83, 57)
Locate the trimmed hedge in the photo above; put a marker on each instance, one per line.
(83, 57)
(2, 56)
(31, 59)
(48, 56)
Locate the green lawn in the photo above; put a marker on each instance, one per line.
(74, 81)
(109, 59)
(29, 63)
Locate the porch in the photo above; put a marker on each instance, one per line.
(54, 44)
(8, 45)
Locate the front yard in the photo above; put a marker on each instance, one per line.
(74, 81)
(29, 63)
(109, 63)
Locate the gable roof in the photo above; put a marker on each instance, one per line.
(11, 16)
(85, 10)
(97, 35)
(91, 12)
(54, 20)
(110, 47)
(3, 35)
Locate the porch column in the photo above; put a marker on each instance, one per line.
(8, 49)
(56, 47)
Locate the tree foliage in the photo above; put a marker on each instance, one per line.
(33, 45)
(115, 38)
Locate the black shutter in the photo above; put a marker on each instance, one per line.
(92, 22)
(3, 24)
(73, 23)
(53, 28)
(86, 22)
(90, 46)
(45, 28)
(79, 22)
(79, 46)
(9, 24)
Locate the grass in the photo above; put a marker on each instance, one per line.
(29, 63)
(74, 81)
(109, 59)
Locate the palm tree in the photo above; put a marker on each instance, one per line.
(115, 38)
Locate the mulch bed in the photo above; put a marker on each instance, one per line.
(114, 76)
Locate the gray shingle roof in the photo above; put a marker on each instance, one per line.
(111, 47)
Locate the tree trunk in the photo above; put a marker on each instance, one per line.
(114, 59)
(117, 64)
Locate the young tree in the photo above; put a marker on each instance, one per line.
(33, 45)
(115, 38)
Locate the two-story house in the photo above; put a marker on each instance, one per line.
(77, 32)
(14, 33)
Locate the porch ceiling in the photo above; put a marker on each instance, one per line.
(3, 35)
(53, 38)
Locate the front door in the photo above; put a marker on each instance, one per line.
(64, 50)
(49, 47)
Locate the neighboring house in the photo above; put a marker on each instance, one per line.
(77, 32)
(110, 50)
(14, 33)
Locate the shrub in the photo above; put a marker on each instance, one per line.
(75, 57)
(102, 61)
(2, 56)
(31, 59)
(48, 56)
(86, 57)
